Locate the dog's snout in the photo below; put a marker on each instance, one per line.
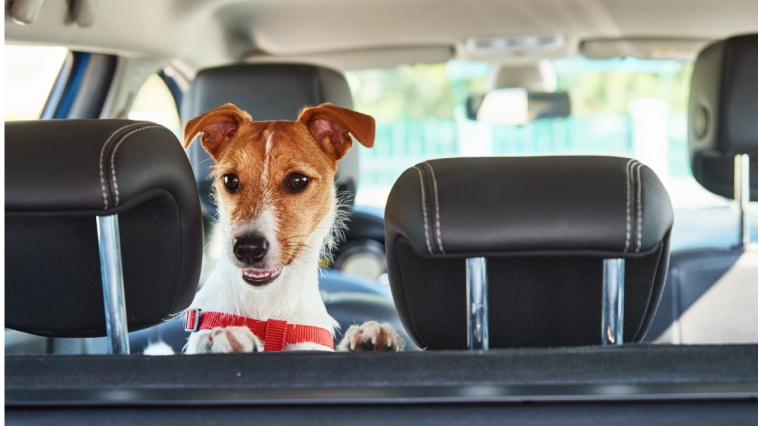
(250, 248)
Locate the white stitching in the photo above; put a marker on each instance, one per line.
(102, 166)
(423, 207)
(628, 205)
(436, 208)
(639, 209)
(113, 156)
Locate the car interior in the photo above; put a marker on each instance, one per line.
(556, 216)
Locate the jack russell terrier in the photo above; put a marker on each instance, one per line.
(274, 183)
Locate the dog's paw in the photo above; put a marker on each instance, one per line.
(224, 340)
(371, 336)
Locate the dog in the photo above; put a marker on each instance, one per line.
(278, 207)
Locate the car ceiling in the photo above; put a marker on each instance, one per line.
(354, 34)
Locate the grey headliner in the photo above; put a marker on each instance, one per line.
(345, 34)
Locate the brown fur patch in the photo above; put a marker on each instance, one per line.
(263, 154)
(234, 344)
(262, 181)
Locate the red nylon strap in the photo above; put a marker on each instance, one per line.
(274, 333)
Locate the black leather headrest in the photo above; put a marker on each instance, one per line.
(61, 175)
(723, 113)
(266, 92)
(544, 224)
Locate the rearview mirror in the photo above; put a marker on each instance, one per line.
(517, 106)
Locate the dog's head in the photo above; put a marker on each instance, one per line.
(275, 180)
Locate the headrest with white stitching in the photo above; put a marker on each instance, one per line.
(544, 224)
(509, 205)
(60, 176)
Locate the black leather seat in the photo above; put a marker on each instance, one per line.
(711, 295)
(60, 176)
(544, 224)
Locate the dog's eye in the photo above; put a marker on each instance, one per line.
(296, 182)
(232, 183)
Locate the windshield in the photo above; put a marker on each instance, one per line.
(621, 107)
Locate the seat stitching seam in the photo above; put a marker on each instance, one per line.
(102, 166)
(113, 156)
(628, 205)
(639, 209)
(423, 208)
(436, 207)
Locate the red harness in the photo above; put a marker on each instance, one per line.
(273, 332)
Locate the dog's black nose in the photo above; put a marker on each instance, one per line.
(250, 248)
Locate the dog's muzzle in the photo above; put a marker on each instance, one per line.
(250, 249)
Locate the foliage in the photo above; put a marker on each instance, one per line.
(421, 92)
(409, 92)
(612, 88)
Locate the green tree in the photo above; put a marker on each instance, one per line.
(409, 92)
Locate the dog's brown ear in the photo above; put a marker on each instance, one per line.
(330, 125)
(217, 126)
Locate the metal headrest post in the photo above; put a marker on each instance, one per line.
(613, 302)
(742, 195)
(476, 303)
(113, 284)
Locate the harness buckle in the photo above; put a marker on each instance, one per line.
(193, 320)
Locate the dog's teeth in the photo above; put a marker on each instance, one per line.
(261, 274)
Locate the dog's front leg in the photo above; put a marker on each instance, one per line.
(371, 336)
(224, 340)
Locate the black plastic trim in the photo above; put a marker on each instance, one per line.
(387, 395)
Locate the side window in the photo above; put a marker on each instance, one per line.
(30, 74)
(154, 102)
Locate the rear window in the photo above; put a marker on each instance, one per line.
(620, 107)
(30, 73)
(154, 102)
